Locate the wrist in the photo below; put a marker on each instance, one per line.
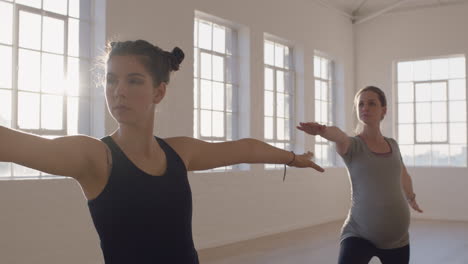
(291, 160)
(410, 198)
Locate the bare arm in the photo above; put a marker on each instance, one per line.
(407, 185)
(331, 133)
(200, 155)
(73, 156)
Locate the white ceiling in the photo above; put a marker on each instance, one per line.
(363, 10)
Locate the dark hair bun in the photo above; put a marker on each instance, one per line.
(177, 56)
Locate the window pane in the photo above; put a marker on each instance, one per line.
(423, 112)
(195, 123)
(29, 30)
(421, 70)
(318, 111)
(439, 112)
(52, 112)
(5, 169)
(28, 110)
(287, 129)
(269, 106)
(52, 73)
(268, 128)
(280, 81)
(205, 123)
(458, 155)
(73, 77)
(405, 113)
(405, 71)
(269, 53)
(407, 153)
(439, 69)
(269, 81)
(219, 39)
(205, 94)
(458, 133)
(406, 134)
(21, 171)
(288, 83)
(5, 108)
(405, 92)
(423, 133)
(6, 20)
(73, 37)
(218, 124)
(29, 70)
(195, 93)
(72, 115)
(318, 89)
(457, 111)
(423, 92)
(287, 57)
(439, 91)
(218, 68)
(324, 93)
(204, 34)
(205, 61)
(5, 67)
(422, 155)
(33, 3)
(457, 67)
(279, 55)
(440, 155)
(56, 6)
(218, 96)
(324, 69)
(439, 132)
(280, 104)
(229, 98)
(280, 122)
(324, 112)
(317, 65)
(74, 8)
(457, 89)
(287, 105)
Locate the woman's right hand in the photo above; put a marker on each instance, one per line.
(312, 128)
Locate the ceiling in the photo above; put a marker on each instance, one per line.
(363, 10)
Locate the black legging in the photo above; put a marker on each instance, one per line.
(355, 250)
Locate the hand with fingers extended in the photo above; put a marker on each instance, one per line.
(312, 128)
(305, 161)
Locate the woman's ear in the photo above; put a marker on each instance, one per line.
(384, 112)
(159, 93)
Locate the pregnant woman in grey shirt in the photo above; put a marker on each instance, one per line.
(378, 221)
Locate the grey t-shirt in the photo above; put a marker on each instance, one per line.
(379, 211)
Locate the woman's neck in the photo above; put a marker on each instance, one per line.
(133, 138)
(371, 133)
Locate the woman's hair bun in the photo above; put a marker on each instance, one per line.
(177, 56)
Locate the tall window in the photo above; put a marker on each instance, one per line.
(279, 96)
(43, 46)
(323, 72)
(215, 85)
(431, 98)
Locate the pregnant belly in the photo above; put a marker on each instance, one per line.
(385, 226)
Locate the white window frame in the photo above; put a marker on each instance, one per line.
(84, 98)
(325, 158)
(410, 160)
(230, 83)
(288, 69)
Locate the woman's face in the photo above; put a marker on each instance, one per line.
(130, 93)
(370, 109)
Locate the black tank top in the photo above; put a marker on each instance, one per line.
(142, 218)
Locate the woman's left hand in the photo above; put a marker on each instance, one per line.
(305, 161)
(415, 206)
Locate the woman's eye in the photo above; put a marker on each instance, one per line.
(110, 81)
(135, 81)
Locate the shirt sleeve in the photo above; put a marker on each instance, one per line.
(352, 150)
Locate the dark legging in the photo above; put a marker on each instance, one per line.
(355, 250)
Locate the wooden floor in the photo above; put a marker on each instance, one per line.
(432, 242)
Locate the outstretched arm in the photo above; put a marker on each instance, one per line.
(331, 133)
(407, 185)
(201, 155)
(73, 156)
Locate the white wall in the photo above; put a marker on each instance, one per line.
(417, 34)
(48, 221)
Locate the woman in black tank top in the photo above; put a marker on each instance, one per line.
(136, 184)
